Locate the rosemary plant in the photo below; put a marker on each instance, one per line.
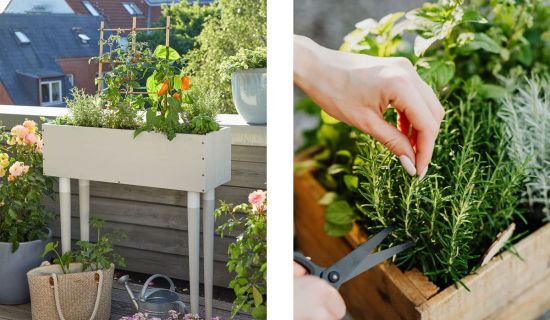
(526, 115)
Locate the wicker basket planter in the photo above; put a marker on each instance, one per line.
(505, 288)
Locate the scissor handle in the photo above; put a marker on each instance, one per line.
(305, 262)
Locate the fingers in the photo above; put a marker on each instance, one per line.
(408, 98)
(299, 270)
(315, 299)
(397, 142)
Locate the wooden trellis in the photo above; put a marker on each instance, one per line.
(133, 31)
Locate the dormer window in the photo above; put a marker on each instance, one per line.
(90, 8)
(132, 8)
(22, 37)
(83, 38)
(50, 92)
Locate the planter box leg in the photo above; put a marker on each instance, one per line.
(65, 213)
(194, 230)
(208, 238)
(84, 204)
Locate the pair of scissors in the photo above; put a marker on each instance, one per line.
(356, 262)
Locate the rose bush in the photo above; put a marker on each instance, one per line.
(22, 185)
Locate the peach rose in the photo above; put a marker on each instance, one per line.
(30, 125)
(18, 168)
(39, 146)
(2, 172)
(19, 131)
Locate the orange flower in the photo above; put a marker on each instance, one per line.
(163, 88)
(185, 83)
(136, 58)
(177, 96)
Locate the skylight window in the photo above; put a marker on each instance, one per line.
(132, 8)
(22, 37)
(90, 8)
(83, 38)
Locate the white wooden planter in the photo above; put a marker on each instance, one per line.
(193, 163)
(189, 162)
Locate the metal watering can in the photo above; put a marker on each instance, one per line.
(156, 302)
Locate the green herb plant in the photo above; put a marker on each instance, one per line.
(248, 254)
(472, 190)
(245, 59)
(23, 186)
(93, 256)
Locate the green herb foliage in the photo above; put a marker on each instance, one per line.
(245, 59)
(93, 256)
(472, 189)
(247, 255)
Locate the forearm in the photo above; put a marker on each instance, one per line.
(306, 61)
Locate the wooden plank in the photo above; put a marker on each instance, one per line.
(533, 303)
(249, 153)
(148, 238)
(130, 212)
(248, 174)
(228, 193)
(497, 283)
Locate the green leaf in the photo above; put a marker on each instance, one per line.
(337, 230)
(153, 86)
(49, 247)
(351, 182)
(340, 213)
(475, 41)
(473, 16)
(260, 312)
(492, 91)
(160, 52)
(328, 119)
(337, 168)
(328, 198)
(258, 298)
(437, 73)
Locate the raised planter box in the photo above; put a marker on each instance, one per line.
(506, 288)
(189, 162)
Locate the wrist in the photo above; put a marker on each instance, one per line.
(306, 61)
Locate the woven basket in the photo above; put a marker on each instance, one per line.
(74, 296)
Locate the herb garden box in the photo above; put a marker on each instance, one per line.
(507, 287)
(189, 162)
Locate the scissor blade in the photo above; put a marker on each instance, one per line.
(356, 256)
(376, 258)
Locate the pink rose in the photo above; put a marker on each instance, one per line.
(30, 125)
(30, 138)
(39, 146)
(257, 197)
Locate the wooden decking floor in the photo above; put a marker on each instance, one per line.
(120, 306)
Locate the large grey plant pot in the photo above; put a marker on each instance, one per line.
(250, 94)
(14, 288)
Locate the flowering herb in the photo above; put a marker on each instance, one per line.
(248, 254)
(23, 185)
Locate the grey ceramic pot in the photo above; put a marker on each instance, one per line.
(14, 288)
(250, 94)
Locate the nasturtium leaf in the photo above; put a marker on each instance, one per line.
(328, 198)
(351, 182)
(160, 52)
(436, 72)
(339, 212)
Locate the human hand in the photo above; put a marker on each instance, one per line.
(314, 298)
(357, 89)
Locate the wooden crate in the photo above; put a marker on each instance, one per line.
(505, 288)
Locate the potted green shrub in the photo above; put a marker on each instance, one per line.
(148, 113)
(249, 83)
(79, 284)
(23, 221)
(248, 254)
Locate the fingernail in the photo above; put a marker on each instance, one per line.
(407, 165)
(423, 173)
